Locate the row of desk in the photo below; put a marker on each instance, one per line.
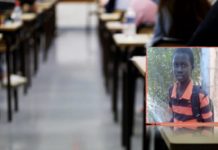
(123, 58)
(20, 42)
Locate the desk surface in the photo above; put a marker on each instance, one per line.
(114, 26)
(177, 140)
(101, 10)
(140, 63)
(110, 16)
(135, 40)
(28, 16)
(11, 27)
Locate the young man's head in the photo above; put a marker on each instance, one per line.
(183, 64)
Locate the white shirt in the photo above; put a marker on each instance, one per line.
(122, 4)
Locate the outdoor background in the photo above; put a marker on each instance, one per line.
(160, 78)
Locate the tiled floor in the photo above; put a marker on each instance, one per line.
(66, 107)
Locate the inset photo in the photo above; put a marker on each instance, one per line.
(182, 85)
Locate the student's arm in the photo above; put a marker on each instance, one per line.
(162, 26)
(206, 112)
(158, 33)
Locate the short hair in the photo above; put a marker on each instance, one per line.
(187, 51)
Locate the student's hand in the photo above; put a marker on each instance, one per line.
(26, 8)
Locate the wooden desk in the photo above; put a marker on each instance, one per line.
(105, 41)
(114, 26)
(11, 36)
(126, 47)
(48, 23)
(26, 17)
(188, 141)
(109, 29)
(31, 24)
(110, 16)
(140, 40)
(29, 47)
(140, 63)
(135, 68)
(12, 27)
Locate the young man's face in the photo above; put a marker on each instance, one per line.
(182, 67)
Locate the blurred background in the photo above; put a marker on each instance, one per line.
(57, 99)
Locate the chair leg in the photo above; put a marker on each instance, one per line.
(15, 92)
(23, 61)
(28, 66)
(115, 85)
(36, 51)
(8, 60)
(125, 112)
(130, 101)
(131, 98)
(16, 103)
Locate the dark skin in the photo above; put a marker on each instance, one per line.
(182, 70)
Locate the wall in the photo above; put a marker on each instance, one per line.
(75, 15)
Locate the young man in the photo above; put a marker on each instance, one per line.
(181, 94)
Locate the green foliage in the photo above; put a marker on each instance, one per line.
(160, 75)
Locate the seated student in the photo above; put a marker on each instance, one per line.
(28, 5)
(179, 19)
(102, 2)
(184, 94)
(146, 11)
(207, 32)
(109, 5)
